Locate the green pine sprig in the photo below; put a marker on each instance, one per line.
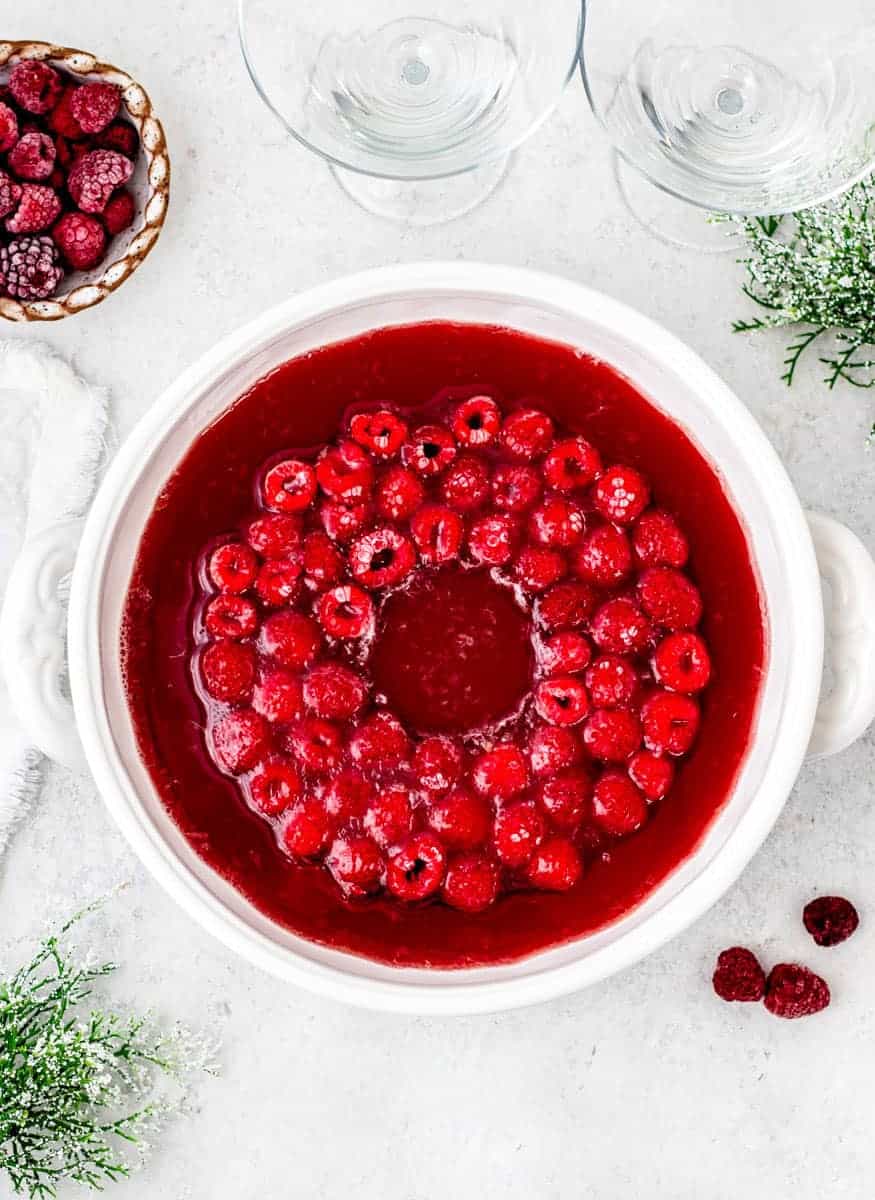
(79, 1094)
(815, 269)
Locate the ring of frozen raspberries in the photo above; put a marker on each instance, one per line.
(66, 154)
(291, 606)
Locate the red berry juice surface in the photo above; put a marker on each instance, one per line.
(443, 645)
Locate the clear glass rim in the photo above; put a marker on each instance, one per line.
(505, 152)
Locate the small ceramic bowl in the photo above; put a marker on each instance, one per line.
(150, 185)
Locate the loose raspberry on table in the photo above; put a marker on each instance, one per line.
(279, 697)
(275, 787)
(670, 598)
(617, 805)
(500, 772)
(621, 494)
(437, 763)
(290, 638)
(61, 120)
(346, 612)
(381, 432)
(738, 976)
(476, 421)
(35, 86)
(8, 128)
(553, 748)
(515, 488)
(29, 268)
(119, 136)
(398, 494)
(562, 700)
(233, 567)
(612, 734)
(612, 682)
(348, 796)
(830, 919)
(307, 830)
(794, 991)
(471, 883)
(555, 866)
(10, 193)
(228, 670)
(389, 816)
(537, 568)
(670, 722)
(557, 522)
(572, 464)
(334, 691)
(240, 740)
(605, 557)
(95, 105)
(345, 472)
(564, 653)
(460, 818)
(275, 536)
(81, 240)
(380, 741)
(317, 744)
(289, 486)
(681, 663)
(278, 581)
(437, 532)
(343, 521)
(566, 797)
(519, 828)
(38, 208)
(621, 627)
(416, 868)
(119, 213)
(651, 773)
(527, 434)
(323, 562)
(492, 540)
(659, 541)
(230, 616)
(429, 451)
(356, 864)
(95, 176)
(381, 558)
(33, 156)
(465, 483)
(565, 606)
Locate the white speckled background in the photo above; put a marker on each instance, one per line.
(646, 1086)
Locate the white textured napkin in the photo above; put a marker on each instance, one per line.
(52, 428)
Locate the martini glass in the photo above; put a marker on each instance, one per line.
(416, 104)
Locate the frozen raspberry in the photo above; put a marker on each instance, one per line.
(500, 772)
(8, 128)
(830, 919)
(343, 521)
(381, 558)
(572, 464)
(33, 156)
(738, 975)
(670, 723)
(605, 558)
(275, 787)
(527, 434)
(10, 193)
(355, 864)
(557, 522)
(471, 883)
(612, 682)
(61, 120)
(119, 213)
(659, 541)
(81, 240)
(316, 744)
(555, 866)
(307, 829)
(95, 105)
(476, 421)
(564, 653)
(388, 817)
(617, 806)
(460, 818)
(345, 472)
(681, 663)
(794, 991)
(334, 691)
(278, 581)
(552, 749)
(621, 494)
(566, 606)
(465, 484)
(233, 567)
(346, 612)
(230, 616)
(515, 488)
(290, 638)
(240, 740)
(429, 451)
(620, 627)
(437, 763)
(492, 540)
(612, 734)
(35, 86)
(323, 562)
(380, 741)
(566, 797)
(279, 697)
(562, 701)
(228, 670)
(518, 829)
(95, 176)
(67, 153)
(29, 268)
(537, 568)
(437, 532)
(289, 486)
(275, 536)
(416, 868)
(399, 493)
(651, 773)
(381, 432)
(38, 208)
(670, 598)
(348, 796)
(119, 136)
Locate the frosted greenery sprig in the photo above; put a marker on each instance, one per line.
(816, 269)
(82, 1090)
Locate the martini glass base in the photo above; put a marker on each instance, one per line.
(673, 221)
(423, 202)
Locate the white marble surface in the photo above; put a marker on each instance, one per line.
(646, 1086)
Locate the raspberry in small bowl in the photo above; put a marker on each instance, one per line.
(84, 180)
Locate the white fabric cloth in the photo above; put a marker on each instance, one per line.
(52, 444)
